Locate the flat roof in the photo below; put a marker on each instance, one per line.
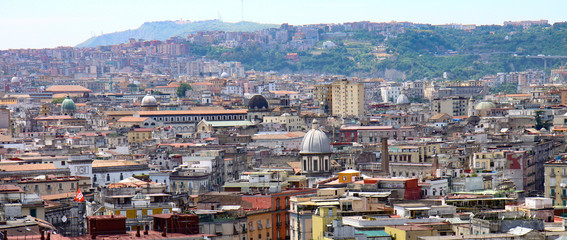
(192, 112)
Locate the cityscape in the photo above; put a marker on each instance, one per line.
(249, 131)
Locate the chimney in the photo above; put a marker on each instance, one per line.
(435, 165)
(385, 157)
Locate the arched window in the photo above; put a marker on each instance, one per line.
(107, 177)
(121, 177)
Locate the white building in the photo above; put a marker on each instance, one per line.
(390, 93)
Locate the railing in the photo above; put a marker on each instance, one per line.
(224, 219)
(131, 205)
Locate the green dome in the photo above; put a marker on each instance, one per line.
(68, 106)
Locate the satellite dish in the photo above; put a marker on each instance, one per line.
(64, 219)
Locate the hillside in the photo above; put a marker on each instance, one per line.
(421, 52)
(165, 29)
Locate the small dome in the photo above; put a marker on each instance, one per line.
(258, 102)
(149, 101)
(485, 105)
(315, 141)
(224, 75)
(68, 105)
(403, 99)
(15, 80)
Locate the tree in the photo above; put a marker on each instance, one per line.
(133, 87)
(58, 100)
(182, 89)
(540, 123)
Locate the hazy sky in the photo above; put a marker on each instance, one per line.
(51, 23)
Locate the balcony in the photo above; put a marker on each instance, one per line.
(278, 225)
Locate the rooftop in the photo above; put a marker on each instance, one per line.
(67, 88)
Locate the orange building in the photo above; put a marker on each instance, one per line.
(259, 224)
(278, 203)
(348, 176)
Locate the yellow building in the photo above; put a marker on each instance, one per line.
(292, 123)
(409, 232)
(348, 98)
(8, 101)
(414, 154)
(139, 135)
(341, 98)
(323, 217)
(489, 161)
(556, 182)
(348, 176)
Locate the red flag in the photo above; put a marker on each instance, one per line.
(79, 197)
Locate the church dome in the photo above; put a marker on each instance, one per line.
(485, 105)
(224, 75)
(315, 141)
(149, 101)
(15, 80)
(403, 99)
(258, 102)
(68, 105)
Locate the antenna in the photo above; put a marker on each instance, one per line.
(219, 17)
(242, 10)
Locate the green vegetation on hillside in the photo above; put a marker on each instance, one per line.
(419, 53)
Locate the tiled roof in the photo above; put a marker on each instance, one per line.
(113, 163)
(62, 117)
(10, 188)
(67, 88)
(132, 119)
(27, 167)
(289, 135)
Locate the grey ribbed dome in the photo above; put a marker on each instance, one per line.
(403, 99)
(485, 105)
(315, 141)
(149, 101)
(258, 102)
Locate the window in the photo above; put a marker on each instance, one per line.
(107, 177)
